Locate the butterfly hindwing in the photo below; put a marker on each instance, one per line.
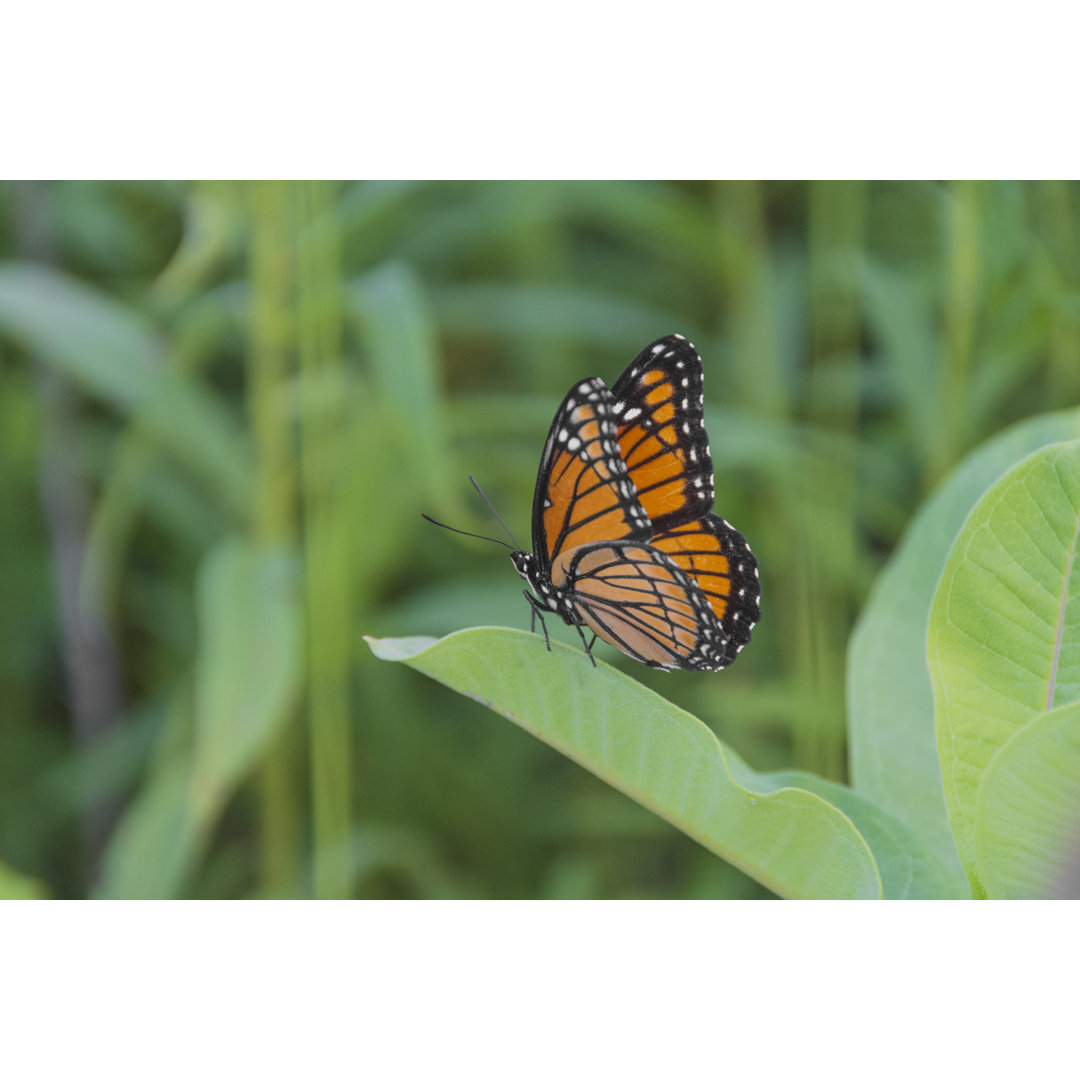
(717, 558)
(659, 410)
(639, 600)
(583, 492)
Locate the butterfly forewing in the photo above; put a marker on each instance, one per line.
(717, 558)
(583, 492)
(639, 600)
(659, 411)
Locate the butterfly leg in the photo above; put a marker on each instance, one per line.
(536, 612)
(588, 644)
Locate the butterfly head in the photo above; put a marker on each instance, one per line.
(527, 565)
(546, 596)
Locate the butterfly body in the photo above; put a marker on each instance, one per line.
(623, 538)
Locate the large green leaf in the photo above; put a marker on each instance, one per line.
(893, 747)
(909, 870)
(1004, 631)
(792, 840)
(1028, 815)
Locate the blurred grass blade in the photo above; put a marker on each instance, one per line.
(398, 329)
(374, 850)
(247, 673)
(791, 840)
(1028, 814)
(759, 373)
(154, 846)
(274, 526)
(327, 548)
(526, 311)
(900, 311)
(109, 349)
(114, 355)
(1004, 632)
(892, 744)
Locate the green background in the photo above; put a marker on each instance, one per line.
(223, 407)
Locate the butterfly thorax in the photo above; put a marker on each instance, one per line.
(548, 595)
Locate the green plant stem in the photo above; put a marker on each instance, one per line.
(747, 277)
(274, 509)
(961, 305)
(836, 226)
(1060, 232)
(326, 533)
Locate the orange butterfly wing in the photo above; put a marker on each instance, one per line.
(637, 599)
(661, 420)
(660, 410)
(583, 493)
(621, 523)
(717, 559)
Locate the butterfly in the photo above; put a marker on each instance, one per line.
(624, 541)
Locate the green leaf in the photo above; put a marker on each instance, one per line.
(116, 356)
(1004, 633)
(155, 842)
(892, 742)
(909, 870)
(791, 840)
(1028, 813)
(400, 336)
(109, 349)
(247, 673)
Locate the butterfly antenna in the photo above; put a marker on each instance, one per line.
(517, 546)
(475, 536)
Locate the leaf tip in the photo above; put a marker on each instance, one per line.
(398, 648)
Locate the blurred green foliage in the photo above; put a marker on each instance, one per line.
(223, 407)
